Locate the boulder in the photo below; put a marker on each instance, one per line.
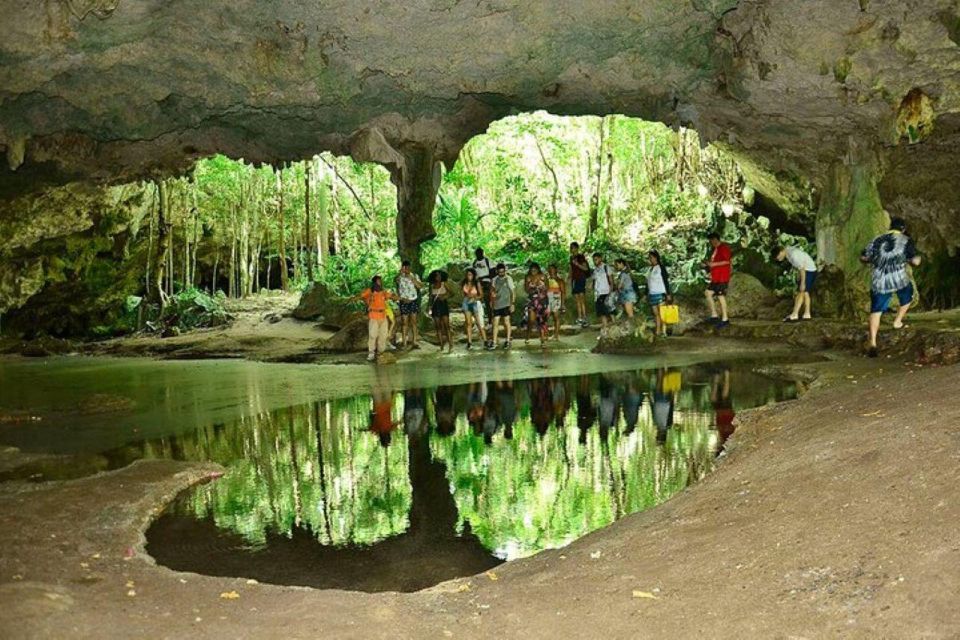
(350, 339)
(319, 303)
(748, 298)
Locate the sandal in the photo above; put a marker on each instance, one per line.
(789, 320)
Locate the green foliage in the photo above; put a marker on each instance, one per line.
(193, 309)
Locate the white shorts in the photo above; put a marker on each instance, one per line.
(555, 302)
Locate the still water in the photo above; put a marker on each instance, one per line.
(400, 491)
(391, 490)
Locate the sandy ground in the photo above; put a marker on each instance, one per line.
(834, 516)
(262, 330)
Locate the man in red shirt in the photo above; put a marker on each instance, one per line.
(720, 266)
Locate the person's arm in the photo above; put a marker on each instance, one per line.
(866, 256)
(911, 253)
(724, 258)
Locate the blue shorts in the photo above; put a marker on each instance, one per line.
(579, 286)
(809, 279)
(628, 296)
(656, 299)
(880, 302)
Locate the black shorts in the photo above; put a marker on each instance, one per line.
(579, 287)
(600, 306)
(719, 288)
(440, 309)
(501, 313)
(409, 308)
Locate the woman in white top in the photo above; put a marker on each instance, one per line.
(658, 289)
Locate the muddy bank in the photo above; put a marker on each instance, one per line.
(833, 515)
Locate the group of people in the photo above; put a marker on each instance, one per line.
(489, 294)
(493, 408)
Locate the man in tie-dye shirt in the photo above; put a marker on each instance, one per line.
(889, 255)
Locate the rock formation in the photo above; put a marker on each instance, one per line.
(860, 99)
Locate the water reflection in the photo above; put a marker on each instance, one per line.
(446, 481)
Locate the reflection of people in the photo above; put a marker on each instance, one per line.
(632, 400)
(722, 406)
(609, 406)
(413, 412)
(541, 405)
(506, 407)
(561, 402)
(445, 414)
(586, 413)
(381, 418)
(476, 406)
(663, 404)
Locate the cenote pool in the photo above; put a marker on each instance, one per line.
(388, 490)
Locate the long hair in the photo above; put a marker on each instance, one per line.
(653, 253)
(470, 272)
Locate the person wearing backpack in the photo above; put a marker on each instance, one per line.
(376, 298)
(484, 270)
(603, 290)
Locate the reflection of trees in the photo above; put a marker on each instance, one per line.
(313, 467)
(319, 469)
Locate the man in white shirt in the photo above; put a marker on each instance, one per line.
(602, 290)
(806, 270)
(485, 272)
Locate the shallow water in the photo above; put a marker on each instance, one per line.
(385, 490)
(400, 491)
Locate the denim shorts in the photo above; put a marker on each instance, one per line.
(880, 302)
(628, 296)
(656, 299)
(809, 279)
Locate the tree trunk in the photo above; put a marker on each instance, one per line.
(163, 241)
(308, 223)
(593, 223)
(555, 196)
(323, 208)
(284, 276)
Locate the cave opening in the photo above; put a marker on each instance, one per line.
(212, 238)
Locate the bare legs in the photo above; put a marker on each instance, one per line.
(442, 326)
(581, 301)
(712, 305)
(507, 327)
(470, 316)
(660, 329)
(408, 324)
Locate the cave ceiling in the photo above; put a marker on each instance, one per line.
(118, 90)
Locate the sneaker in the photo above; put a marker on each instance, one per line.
(469, 346)
(507, 344)
(714, 321)
(723, 324)
(490, 346)
(391, 347)
(371, 357)
(872, 352)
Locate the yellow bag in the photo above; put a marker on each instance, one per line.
(670, 313)
(672, 381)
